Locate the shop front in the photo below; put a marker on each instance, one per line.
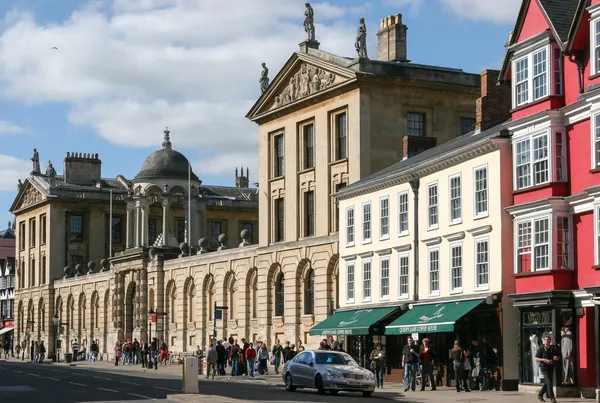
(358, 331)
(542, 314)
(6, 331)
(475, 323)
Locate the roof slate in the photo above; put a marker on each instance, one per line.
(561, 14)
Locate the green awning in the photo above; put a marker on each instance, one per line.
(431, 318)
(350, 322)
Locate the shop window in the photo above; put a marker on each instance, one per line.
(535, 326)
(567, 348)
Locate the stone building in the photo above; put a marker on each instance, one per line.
(64, 235)
(324, 122)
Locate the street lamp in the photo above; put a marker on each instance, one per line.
(55, 320)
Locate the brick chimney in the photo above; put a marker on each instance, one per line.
(495, 103)
(391, 39)
(82, 169)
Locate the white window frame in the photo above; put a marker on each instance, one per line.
(481, 214)
(597, 235)
(429, 252)
(551, 73)
(482, 286)
(458, 219)
(552, 225)
(401, 232)
(551, 158)
(350, 229)
(382, 270)
(384, 235)
(569, 242)
(595, 138)
(461, 268)
(594, 24)
(364, 280)
(402, 256)
(349, 298)
(431, 226)
(367, 222)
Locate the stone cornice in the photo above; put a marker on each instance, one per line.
(348, 258)
(486, 229)
(457, 236)
(384, 252)
(366, 255)
(437, 164)
(432, 241)
(403, 248)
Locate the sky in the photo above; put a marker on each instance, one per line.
(126, 69)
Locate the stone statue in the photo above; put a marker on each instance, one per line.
(51, 173)
(309, 22)
(264, 78)
(19, 185)
(36, 162)
(361, 40)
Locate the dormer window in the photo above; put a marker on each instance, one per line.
(536, 74)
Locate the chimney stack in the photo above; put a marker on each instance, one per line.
(495, 103)
(82, 169)
(391, 39)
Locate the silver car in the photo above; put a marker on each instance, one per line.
(327, 371)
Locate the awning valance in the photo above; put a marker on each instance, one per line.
(355, 322)
(432, 318)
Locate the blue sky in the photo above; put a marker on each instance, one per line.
(125, 69)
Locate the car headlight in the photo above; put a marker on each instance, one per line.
(370, 376)
(334, 375)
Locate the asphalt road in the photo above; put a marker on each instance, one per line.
(26, 382)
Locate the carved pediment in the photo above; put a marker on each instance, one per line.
(304, 81)
(28, 196)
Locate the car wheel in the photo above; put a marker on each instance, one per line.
(334, 392)
(289, 384)
(319, 385)
(367, 393)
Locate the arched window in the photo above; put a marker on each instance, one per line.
(192, 303)
(253, 291)
(279, 295)
(309, 293)
(173, 298)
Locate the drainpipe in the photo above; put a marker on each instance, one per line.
(414, 184)
(575, 57)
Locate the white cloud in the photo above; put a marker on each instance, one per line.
(128, 68)
(477, 10)
(10, 128)
(11, 169)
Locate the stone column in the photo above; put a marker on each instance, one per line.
(143, 295)
(130, 227)
(144, 211)
(165, 233)
(138, 221)
(137, 301)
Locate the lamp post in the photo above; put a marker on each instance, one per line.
(55, 320)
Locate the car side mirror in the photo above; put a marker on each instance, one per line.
(311, 364)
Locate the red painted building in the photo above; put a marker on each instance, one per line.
(553, 65)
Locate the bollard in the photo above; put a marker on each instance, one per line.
(190, 375)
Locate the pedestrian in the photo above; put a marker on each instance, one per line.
(18, 350)
(33, 346)
(6, 349)
(211, 361)
(144, 354)
(234, 356)
(288, 352)
(23, 349)
(410, 360)
(75, 349)
(41, 352)
(378, 364)
(94, 350)
(277, 353)
(118, 351)
(427, 359)
(250, 355)
(153, 352)
(547, 357)
(137, 358)
(458, 363)
(221, 357)
(263, 359)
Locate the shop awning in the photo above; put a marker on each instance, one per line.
(432, 318)
(5, 330)
(355, 322)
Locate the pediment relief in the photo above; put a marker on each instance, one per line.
(305, 81)
(29, 196)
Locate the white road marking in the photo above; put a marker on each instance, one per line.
(142, 396)
(17, 371)
(131, 383)
(170, 390)
(52, 379)
(108, 390)
(103, 377)
(29, 373)
(78, 384)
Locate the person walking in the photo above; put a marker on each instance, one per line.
(234, 357)
(378, 364)
(221, 358)
(211, 361)
(458, 363)
(144, 354)
(75, 349)
(117, 352)
(153, 352)
(277, 353)
(250, 355)
(32, 348)
(547, 357)
(410, 359)
(41, 352)
(427, 362)
(137, 353)
(6, 349)
(263, 359)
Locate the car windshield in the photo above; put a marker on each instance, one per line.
(335, 359)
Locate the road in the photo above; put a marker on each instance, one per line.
(26, 382)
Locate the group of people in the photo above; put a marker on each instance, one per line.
(136, 353)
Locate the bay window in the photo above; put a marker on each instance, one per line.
(595, 44)
(543, 243)
(596, 141)
(536, 74)
(539, 158)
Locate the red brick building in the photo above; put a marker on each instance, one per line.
(553, 65)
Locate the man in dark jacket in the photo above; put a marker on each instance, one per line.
(221, 358)
(288, 352)
(547, 356)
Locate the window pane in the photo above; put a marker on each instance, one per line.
(467, 125)
(403, 213)
(350, 282)
(278, 156)
(309, 205)
(366, 222)
(434, 271)
(562, 243)
(433, 205)
(403, 269)
(540, 159)
(385, 278)
(279, 220)
(522, 83)
(541, 247)
(384, 212)
(416, 124)
(597, 140)
(455, 199)
(483, 270)
(350, 226)
(309, 146)
(524, 247)
(366, 280)
(76, 228)
(481, 193)
(523, 155)
(540, 76)
(341, 129)
(456, 267)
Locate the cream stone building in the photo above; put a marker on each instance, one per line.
(325, 122)
(426, 250)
